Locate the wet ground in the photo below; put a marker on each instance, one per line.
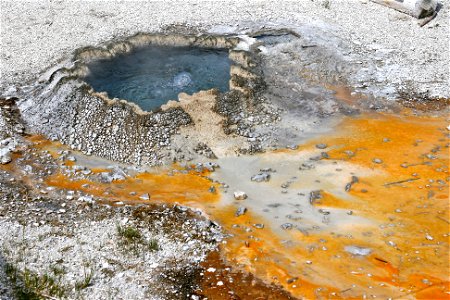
(360, 211)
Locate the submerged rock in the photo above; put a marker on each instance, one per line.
(240, 195)
(355, 250)
(145, 196)
(240, 211)
(261, 177)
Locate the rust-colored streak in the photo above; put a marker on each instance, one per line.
(221, 281)
(410, 231)
(188, 188)
(403, 196)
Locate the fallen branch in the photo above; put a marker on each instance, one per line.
(416, 8)
(346, 290)
(401, 181)
(427, 19)
(440, 218)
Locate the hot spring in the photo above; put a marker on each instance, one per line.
(153, 75)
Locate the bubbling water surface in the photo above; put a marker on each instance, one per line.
(153, 75)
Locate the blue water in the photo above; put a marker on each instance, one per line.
(153, 75)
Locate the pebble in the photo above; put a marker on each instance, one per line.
(349, 153)
(391, 243)
(5, 158)
(377, 160)
(321, 146)
(145, 196)
(292, 280)
(266, 170)
(355, 250)
(261, 177)
(87, 199)
(259, 226)
(241, 211)
(287, 226)
(240, 195)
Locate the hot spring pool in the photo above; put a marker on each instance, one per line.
(153, 75)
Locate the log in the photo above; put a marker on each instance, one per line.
(416, 8)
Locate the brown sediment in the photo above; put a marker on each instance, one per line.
(344, 94)
(424, 103)
(222, 281)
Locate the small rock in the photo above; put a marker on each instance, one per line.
(145, 196)
(240, 211)
(210, 166)
(321, 146)
(87, 199)
(240, 195)
(261, 177)
(349, 153)
(259, 226)
(5, 157)
(324, 155)
(287, 226)
(267, 170)
(355, 250)
(392, 244)
(314, 196)
(377, 160)
(306, 166)
(292, 280)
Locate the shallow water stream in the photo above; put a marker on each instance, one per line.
(312, 228)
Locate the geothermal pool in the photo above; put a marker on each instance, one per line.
(153, 75)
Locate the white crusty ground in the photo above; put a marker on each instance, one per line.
(118, 272)
(36, 35)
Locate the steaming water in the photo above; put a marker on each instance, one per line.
(153, 75)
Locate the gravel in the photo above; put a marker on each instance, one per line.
(37, 35)
(44, 228)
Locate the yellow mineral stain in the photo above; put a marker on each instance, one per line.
(188, 189)
(406, 199)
